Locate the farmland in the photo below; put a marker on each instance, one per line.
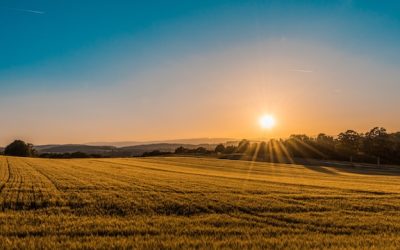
(184, 202)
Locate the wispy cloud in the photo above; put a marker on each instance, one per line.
(26, 10)
(303, 70)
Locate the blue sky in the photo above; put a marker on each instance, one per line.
(77, 36)
(60, 48)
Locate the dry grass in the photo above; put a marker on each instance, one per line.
(201, 203)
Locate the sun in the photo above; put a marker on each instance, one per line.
(267, 121)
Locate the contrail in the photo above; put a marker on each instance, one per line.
(27, 10)
(303, 70)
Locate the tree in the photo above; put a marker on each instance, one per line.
(201, 150)
(181, 150)
(243, 146)
(377, 143)
(230, 149)
(262, 153)
(252, 150)
(299, 145)
(325, 139)
(395, 152)
(220, 148)
(325, 144)
(349, 143)
(301, 137)
(19, 148)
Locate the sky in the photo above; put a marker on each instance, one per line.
(86, 71)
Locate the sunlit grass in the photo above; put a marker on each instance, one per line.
(185, 203)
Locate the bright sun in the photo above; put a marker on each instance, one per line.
(267, 121)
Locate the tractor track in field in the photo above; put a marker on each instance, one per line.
(53, 183)
(58, 193)
(8, 177)
(26, 187)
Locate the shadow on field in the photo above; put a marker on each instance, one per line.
(356, 168)
(330, 167)
(370, 170)
(320, 169)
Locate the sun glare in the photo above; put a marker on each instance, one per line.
(267, 121)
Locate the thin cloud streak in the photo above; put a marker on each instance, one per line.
(303, 70)
(27, 10)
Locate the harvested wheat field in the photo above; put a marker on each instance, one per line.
(180, 203)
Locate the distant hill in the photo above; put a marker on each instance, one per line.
(194, 141)
(164, 147)
(112, 151)
(70, 148)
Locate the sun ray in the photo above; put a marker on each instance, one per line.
(310, 148)
(286, 152)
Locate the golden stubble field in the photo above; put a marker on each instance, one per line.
(178, 202)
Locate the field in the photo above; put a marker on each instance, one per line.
(174, 202)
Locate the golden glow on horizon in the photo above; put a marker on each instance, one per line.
(267, 121)
(215, 104)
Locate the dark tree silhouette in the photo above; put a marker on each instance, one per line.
(299, 146)
(155, 153)
(253, 150)
(220, 148)
(377, 144)
(349, 143)
(326, 145)
(243, 146)
(180, 150)
(230, 149)
(19, 148)
(201, 150)
(262, 151)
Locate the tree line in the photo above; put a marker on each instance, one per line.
(180, 151)
(375, 146)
